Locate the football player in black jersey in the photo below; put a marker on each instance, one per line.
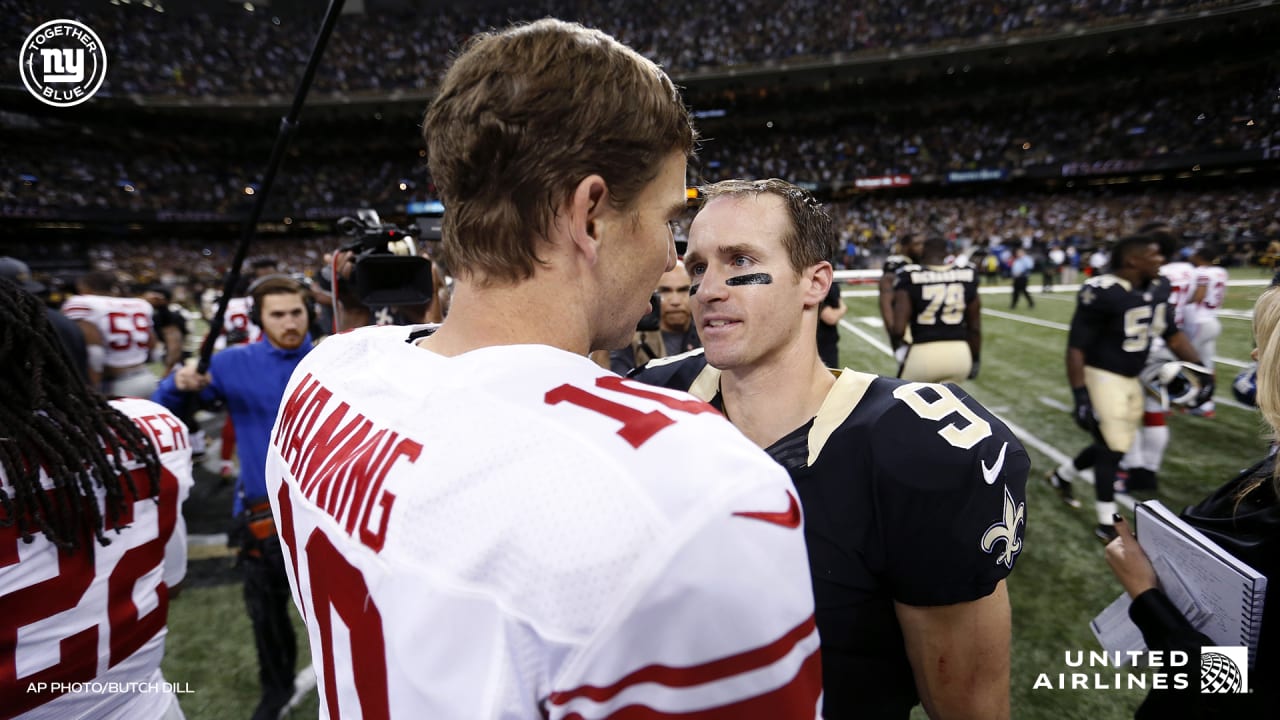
(909, 250)
(1115, 318)
(940, 305)
(913, 494)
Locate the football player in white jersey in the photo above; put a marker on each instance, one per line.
(237, 325)
(92, 540)
(118, 335)
(1179, 273)
(473, 519)
(1203, 325)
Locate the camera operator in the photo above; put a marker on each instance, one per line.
(670, 333)
(250, 379)
(379, 278)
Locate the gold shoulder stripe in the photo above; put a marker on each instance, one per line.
(706, 385)
(843, 398)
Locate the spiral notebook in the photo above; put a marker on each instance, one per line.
(1221, 596)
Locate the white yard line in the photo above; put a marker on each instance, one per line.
(866, 337)
(1028, 320)
(1059, 326)
(1054, 404)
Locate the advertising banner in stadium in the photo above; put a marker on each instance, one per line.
(882, 181)
(980, 175)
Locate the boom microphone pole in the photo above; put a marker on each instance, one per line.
(288, 125)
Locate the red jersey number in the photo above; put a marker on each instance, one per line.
(126, 330)
(78, 648)
(637, 426)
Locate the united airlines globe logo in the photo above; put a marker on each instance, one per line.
(1219, 674)
(62, 63)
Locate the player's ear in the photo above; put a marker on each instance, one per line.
(589, 216)
(817, 280)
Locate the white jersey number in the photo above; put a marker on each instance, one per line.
(975, 428)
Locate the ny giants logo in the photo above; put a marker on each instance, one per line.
(62, 63)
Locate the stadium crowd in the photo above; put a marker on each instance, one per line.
(132, 171)
(1006, 135)
(1245, 221)
(258, 52)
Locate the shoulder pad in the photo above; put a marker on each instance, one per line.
(676, 372)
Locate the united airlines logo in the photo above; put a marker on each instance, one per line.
(1006, 531)
(1224, 669)
(62, 63)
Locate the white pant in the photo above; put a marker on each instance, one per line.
(139, 383)
(1204, 338)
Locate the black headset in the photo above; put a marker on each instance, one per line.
(281, 284)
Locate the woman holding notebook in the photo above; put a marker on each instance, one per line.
(1243, 517)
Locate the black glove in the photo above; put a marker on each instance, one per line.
(1207, 386)
(973, 371)
(1084, 410)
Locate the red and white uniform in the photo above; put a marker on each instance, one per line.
(125, 324)
(516, 533)
(1182, 283)
(98, 616)
(1203, 325)
(237, 318)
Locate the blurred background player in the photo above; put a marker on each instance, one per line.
(1020, 270)
(1202, 323)
(250, 380)
(565, 561)
(170, 325)
(1116, 316)
(912, 523)
(675, 333)
(69, 332)
(908, 251)
(829, 315)
(93, 545)
(118, 335)
(939, 304)
(1141, 463)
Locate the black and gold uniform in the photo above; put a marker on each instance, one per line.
(913, 493)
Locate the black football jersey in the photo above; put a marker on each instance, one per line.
(1114, 322)
(912, 493)
(894, 263)
(939, 296)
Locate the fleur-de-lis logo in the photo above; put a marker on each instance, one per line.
(1015, 514)
(1088, 296)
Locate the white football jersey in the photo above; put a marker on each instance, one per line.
(1181, 276)
(237, 318)
(1214, 280)
(516, 533)
(125, 324)
(77, 624)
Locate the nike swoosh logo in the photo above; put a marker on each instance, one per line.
(789, 518)
(991, 473)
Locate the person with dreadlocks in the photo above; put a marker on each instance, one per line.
(91, 533)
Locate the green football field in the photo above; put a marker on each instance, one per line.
(1060, 580)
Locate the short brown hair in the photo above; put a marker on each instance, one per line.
(812, 237)
(525, 114)
(278, 284)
